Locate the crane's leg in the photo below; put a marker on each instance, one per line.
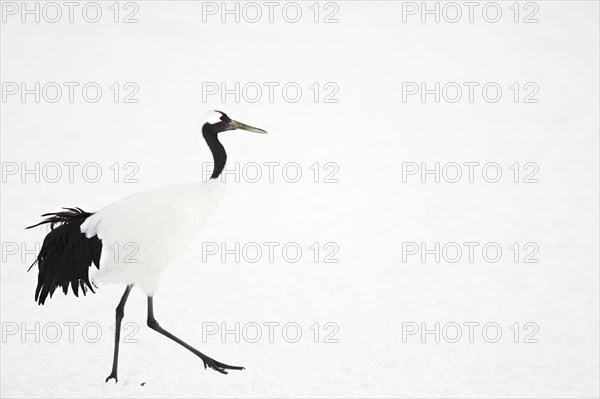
(208, 362)
(120, 312)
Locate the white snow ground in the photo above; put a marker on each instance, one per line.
(371, 294)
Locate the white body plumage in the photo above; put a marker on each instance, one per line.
(148, 231)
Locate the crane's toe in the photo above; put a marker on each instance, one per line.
(218, 366)
(113, 376)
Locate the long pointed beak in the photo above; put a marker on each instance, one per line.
(248, 128)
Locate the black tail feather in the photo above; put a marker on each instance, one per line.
(66, 254)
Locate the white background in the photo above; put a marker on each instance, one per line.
(370, 293)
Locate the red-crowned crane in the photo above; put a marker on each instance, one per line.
(161, 223)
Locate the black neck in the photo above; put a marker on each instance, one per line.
(217, 149)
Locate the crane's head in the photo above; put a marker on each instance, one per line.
(216, 122)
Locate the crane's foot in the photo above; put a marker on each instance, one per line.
(112, 375)
(218, 366)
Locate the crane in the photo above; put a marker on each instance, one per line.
(161, 222)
